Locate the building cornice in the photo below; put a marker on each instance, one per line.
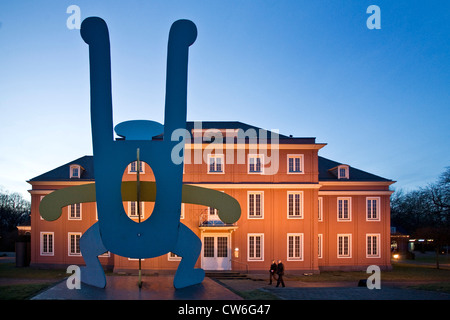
(60, 183)
(342, 183)
(356, 192)
(256, 185)
(268, 146)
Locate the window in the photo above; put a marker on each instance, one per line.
(344, 245)
(182, 211)
(320, 244)
(373, 209)
(295, 246)
(74, 244)
(212, 212)
(373, 246)
(255, 163)
(75, 171)
(255, 247)
(295, 163)
(133, 209)
(208, 247)
(295, 205)
(216, 163)
(222, 247)
(105, 255)
(173, 257)
(344, 209)
(75, 211)
(40, 199)
(132, 167)
(47, 243)
(255, 205)
(320, 206)
(343, 172)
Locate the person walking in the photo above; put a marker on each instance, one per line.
(272, 271)
(280, 273)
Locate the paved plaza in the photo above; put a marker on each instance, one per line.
(161, 288)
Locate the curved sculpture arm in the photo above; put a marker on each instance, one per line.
(229, 210)
(182, 35)
(51, 205)
(94, 32)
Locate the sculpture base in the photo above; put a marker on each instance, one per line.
(126, 288)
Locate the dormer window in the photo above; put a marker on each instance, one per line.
(343, 172)
(75, 171)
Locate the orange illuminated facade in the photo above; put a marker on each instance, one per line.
(311, 212)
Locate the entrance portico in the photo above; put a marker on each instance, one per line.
(216, 242)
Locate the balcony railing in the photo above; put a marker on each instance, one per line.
(207, 220)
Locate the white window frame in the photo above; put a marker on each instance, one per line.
(293, 216)
(346, 174)
(182, 211)
(141, 164)
(251, 256)
(69, 244)
(52, 241)
(40, 199)
(261, 205)
(173, 257)
(222, 163)
(369, 250)
(369, 215)
(255, 156)
(320, 209)
(299, 246)
(349, 253)
(74, 206)
(349, 207)
(320, 245)
(105, 255)
(135, 216)
(76, 175)
(301, 164)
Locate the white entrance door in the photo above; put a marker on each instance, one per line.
(216, 253)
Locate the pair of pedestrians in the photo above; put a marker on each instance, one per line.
(278, 270)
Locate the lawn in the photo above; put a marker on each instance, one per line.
(399, 272)
(9, 270)
(37, 281)
(438, 280)
(21, 291)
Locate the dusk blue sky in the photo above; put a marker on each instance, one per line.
(380, 98)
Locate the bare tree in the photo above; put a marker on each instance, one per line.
(14, 210)
(425, 212)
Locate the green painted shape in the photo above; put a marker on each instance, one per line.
(51, 205)
(228, 208)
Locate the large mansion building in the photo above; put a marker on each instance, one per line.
(311, 212)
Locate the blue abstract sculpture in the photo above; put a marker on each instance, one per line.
(162, 232)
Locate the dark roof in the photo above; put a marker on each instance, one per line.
(268, 134)
(325, 173)
(226, 125)
(62, 173)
